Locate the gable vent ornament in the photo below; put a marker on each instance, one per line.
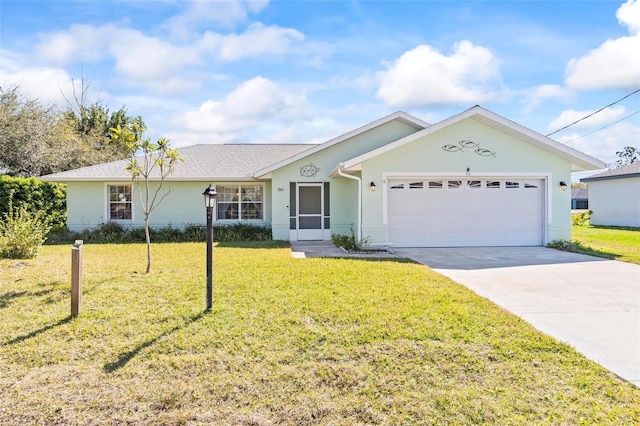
(467, 144)
(310, 170)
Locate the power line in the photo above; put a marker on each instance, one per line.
(594, 113)
(601, 128)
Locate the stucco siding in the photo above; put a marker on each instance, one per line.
(87, 205)
(511, 157)
(615, 202)
(343, 192)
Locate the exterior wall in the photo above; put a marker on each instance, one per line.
(343, 191)
(513, 157)
(87, 205)
(615, 202)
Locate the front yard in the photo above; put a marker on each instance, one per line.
(611, 242)
(289, 341)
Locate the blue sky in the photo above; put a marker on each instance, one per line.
(306, 71)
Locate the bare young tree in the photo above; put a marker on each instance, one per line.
(148, 162)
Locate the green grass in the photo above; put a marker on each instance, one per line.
(610, 242)
(289, 341)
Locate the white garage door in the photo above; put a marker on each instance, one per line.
(437, 212)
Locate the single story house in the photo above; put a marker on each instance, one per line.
(474, 179)
(579, 198)
(614, 196)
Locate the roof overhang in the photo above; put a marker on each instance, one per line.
(593, 179)
(151, 179)
(579, 160)
(400, 116)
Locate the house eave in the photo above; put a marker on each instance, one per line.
(579, 160)
(401, 116)
(593, 179)
(152, 179)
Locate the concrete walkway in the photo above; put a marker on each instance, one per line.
(593, 304)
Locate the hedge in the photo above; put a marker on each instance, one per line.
(36, 196)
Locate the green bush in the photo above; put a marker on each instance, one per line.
(581, 219)
(22, 232)
(347, 242)
(114, 233)
(45, 198)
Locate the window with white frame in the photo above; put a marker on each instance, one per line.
(240, 202)
(120, 202)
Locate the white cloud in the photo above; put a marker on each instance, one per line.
(602, 118)
(79, 42)
(534, 97)
(629, 15)
(47, 84)
(614, 64)
(251, 104)
(140, 56)
(604, 144)
(225, 13)
(424, 76)
(156, 63)
(256, 40)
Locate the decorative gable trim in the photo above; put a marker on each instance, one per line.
(579, 160)
(401, 116)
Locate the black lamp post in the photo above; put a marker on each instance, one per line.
(210, 195)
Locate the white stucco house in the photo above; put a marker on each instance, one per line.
(614, 196)
(474, 179)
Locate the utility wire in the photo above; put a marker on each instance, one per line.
(594, 113)
(601, 128)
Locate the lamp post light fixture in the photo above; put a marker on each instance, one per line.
(210, 196)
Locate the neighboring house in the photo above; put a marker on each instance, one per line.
(614, 196)
(474, 179)
(579, 199)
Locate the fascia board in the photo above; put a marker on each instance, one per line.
(399, 115)
(577, 158)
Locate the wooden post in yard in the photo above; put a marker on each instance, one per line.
(76, 278)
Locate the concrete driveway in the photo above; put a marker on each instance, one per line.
(593, 304)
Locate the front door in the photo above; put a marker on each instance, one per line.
(309, 216)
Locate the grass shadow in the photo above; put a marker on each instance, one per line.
(269, 244)
(6, 298)
(37, 332)
(373, 259)
(615, 228)
(125, 357)
(578, 247)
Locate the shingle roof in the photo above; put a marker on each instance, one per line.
(630, 170)
(580, 193)
(201, 162)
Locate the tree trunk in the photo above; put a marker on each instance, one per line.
(148, 236)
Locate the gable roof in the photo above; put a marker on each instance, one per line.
(580, 193)
(579, 160)
(628, 171)
(230, 162)
(401, 116)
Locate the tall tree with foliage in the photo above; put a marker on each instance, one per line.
(148, 162)
(27, 131)
(38, 139)
(92, 122)
(628, 155)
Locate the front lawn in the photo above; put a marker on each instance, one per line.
(611, 242)
(289, 341)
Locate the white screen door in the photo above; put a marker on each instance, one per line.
(310, 211)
